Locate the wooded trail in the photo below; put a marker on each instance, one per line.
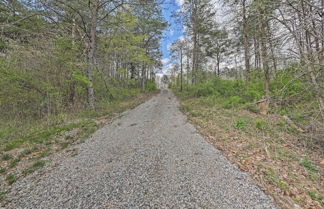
(150, 157)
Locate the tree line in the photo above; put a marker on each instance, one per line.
(63, 55)
(269, 38)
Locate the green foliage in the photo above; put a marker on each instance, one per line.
(306, 163)
(6, 157)
(13, 163)
(2, 170)
(286, 85)
(261, 125)
(80, 78)
(233, 101)
(252, 108)
(45, 153)
(291, 94)
(241, 124)
(6, 130)
(11, 179)
(37, 165)
(203, 89)
(44, 136)
(27, 152)
(151, 86)
(236, 92)
(2, 195)
(315, 196)
(13, 144)
(271, 175)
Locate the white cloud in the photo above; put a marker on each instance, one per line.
(168, 69)
(180, 2)
(165, 61)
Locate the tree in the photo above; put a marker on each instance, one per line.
(60, 55)
(177, 49)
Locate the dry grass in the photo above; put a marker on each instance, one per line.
(283, 162)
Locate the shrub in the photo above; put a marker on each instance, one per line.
(233, 101)
(151, 86)
(203, 89)
(252, 108)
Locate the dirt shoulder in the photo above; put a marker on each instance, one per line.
(284, 162)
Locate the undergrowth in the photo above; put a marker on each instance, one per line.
(279, 150)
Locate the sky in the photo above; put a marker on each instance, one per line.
(172, 33)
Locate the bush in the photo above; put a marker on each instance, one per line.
(151, 86)
(203, 89)
(252, 108)
(233, 101)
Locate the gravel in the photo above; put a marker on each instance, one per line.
(151, 157)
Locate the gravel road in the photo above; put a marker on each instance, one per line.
(151, 157)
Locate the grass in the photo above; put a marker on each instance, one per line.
(11, 179)
(13, 163)
(268, 147)
(274, 179)
(306, 163)
(261, 125)
(37, 165)
(315, 196)
(27, 152)
(241, 124)
(6, 157)
(45, 153)
(2, 195)
(45, 136)
(28, 143)
(2, 170)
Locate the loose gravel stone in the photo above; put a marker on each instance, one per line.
(151, 157)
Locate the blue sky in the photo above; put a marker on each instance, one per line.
(173, 32)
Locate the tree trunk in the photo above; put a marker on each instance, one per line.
(193, 70)
(310, 59)
(188, 68)
(256, 51)
(195, 42)
(91, 52)
(218, 64)
(273, 57)
(181, 69)
(143, 78)
(246, 41)
(264, 51)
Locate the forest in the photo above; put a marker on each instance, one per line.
(268, 52)
(63, 55)
(247, 73)
(70, 65)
